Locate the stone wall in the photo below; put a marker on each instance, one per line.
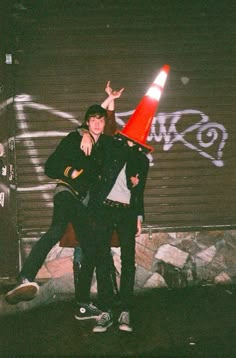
(166, 260)
(183, 259)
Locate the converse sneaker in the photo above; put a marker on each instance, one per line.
(25, 291)
(104, 322)
(124, 322)
(87, 311)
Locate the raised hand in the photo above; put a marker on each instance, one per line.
(110, 92)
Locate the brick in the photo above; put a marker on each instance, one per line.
(144, 257)
(60, 267)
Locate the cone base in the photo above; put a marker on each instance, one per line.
(145, 147)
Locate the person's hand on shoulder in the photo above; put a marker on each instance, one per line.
(86, 144)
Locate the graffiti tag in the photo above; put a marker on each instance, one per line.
(2, 199)
(165, 128)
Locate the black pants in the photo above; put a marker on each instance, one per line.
(66, 209)
(97, 254)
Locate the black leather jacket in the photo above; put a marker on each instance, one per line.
(116, 155)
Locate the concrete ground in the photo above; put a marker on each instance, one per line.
(189, 322)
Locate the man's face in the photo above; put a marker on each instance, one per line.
(96, 125)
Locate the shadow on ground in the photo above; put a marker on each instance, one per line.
(190, 322)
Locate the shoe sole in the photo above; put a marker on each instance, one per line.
(86, 318)
(24, 292)
(101, 329)
(125, 328)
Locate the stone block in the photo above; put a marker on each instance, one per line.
(157, 240)
(172, 255)
(223, 278)
(155, 281)
(141, 239)
(66, 251)
(144, 257)
(43, 273)
(60, 267)
(54, 252)
(209, 238)
(141, 276)
(188, 245)
(117, 262)
(207, 255)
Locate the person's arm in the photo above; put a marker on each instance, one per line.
(110, 127)
(87, 142)
(139, 227)
(137, 185)
(60, 164)
(109, 102)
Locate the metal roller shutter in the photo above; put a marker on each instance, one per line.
(66, 52)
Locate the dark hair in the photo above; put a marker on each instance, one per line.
(95, 111)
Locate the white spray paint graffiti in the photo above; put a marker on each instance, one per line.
(23, 101)
(164, 128)
(167, 132)
(2, 199)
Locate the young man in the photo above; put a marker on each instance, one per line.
(75, 173)
(87, 145)
(118, 202)
(115, 201)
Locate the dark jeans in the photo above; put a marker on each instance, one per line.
(97, 254)
(125, 222)
(66, 209)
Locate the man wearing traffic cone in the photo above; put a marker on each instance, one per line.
(118, 201)
(138, 126)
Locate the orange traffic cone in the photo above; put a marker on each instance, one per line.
(138, 126)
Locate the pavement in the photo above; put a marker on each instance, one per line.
(184, 322)
(51, 291)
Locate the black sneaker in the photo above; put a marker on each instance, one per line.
(103, 323)
(25, 291)
(87, 311)
(124, 322)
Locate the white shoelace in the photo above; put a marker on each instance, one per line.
(124, 318)
(93, 308)
(105, 316)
